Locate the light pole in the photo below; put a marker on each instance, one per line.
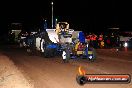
(52, 14)
(56, 20)
(45, 24)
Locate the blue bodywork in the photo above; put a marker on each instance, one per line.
(52, 46)
(81, 37)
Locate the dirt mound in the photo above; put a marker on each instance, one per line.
(10, 76)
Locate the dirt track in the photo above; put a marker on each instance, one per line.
(10, 76)
(52, 73)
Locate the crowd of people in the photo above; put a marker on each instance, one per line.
(102, 41)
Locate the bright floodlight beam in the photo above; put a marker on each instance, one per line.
(125, 45)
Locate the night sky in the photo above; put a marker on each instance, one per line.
(86, 15)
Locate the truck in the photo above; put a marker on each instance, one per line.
(125, 39)
(14, 30)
